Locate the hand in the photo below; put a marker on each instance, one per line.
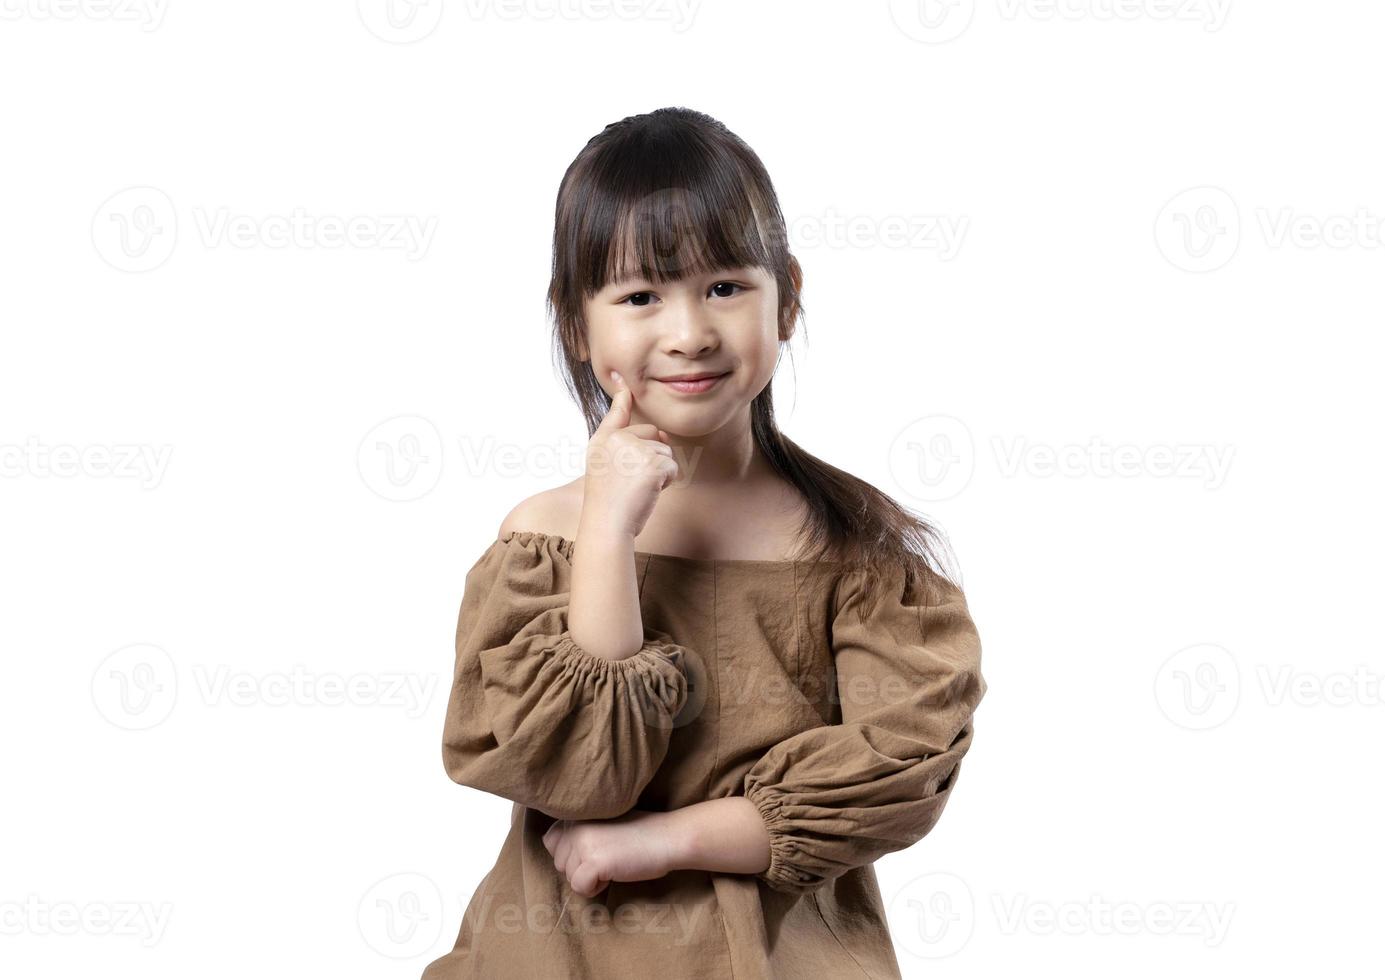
(628, 466)
(636, 846)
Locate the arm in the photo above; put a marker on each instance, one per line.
(726, 835)
(605, 617)
(840, 796)
(533, 716)
(835, 797)
(732, 834)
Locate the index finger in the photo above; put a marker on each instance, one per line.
(618, 415)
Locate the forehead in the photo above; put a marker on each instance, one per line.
(671, 244)
(631, 274)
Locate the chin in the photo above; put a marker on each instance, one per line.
(692, 424)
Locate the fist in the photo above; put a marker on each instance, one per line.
(628, 466)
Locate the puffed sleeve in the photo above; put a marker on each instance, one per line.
(908, 677)
(532, 716)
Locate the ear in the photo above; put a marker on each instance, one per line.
(790, 321)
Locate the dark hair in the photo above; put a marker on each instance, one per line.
(674, 193)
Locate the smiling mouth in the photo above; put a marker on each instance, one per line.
(693, 386)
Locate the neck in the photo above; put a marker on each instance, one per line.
(724, 457)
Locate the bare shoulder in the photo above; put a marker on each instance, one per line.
(548, 512)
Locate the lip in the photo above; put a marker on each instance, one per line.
(692, 384)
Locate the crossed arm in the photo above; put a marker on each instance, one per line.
(726, 835)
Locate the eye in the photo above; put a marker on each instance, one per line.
(641, 299)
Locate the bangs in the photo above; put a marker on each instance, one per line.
(699, 221)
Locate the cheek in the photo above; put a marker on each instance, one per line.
(607, 342)
(760, 348)
(612, 351)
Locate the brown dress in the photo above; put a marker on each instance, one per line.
(757, 678)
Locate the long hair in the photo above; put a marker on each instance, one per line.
(674, 193)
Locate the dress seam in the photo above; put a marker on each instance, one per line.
(818, 909)
(639, 585)
(715, 668)
(726, 934)
(716, 756)
(797, 633)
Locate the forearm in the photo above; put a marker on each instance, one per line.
(726, 835)
(604, 608)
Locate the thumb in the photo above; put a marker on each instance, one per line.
(618, 415)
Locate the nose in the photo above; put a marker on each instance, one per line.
(689, 331)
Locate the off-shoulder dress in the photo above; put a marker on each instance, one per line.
(765, 679)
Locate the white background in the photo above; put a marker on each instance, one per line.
(1169, 253)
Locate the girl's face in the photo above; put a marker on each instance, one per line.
(724, 322)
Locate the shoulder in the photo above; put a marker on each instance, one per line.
(531, 537)
(548, 512)
(894, 586)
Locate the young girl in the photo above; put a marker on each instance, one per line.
(717, 676)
